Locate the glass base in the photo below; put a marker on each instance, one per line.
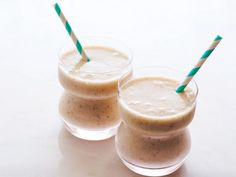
(92, 135)
(152, 171)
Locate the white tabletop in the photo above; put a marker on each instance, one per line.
(33, 142)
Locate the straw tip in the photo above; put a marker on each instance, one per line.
(180, 89)
(218, 37)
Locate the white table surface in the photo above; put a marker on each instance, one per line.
(33, 142)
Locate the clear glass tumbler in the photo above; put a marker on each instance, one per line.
(88, 106)
(152, 145)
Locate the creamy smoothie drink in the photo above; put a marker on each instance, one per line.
(89, 104)
(153, 139)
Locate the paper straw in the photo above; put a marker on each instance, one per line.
(200, 62)
(71, 33)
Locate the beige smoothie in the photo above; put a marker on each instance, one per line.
(89, 101)
(153, 134)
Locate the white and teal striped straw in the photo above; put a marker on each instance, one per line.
(71, 33)
(200, 62)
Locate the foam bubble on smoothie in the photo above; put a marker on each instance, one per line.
(151, 111)
(158, 83)
(116, 54)
(162, 99)
(133, 103)
(173, 111)
(147, 104)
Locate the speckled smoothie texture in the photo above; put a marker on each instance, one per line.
(89, 114)
(90, 100)
(150, 151)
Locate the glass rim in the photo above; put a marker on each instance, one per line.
(120, 84)
(69, 46)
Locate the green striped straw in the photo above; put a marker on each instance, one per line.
(71, 33)
(200, 62)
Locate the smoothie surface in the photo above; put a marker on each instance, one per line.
(155, 96)
(106, 63)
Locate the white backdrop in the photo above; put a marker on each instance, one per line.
(159, 32)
